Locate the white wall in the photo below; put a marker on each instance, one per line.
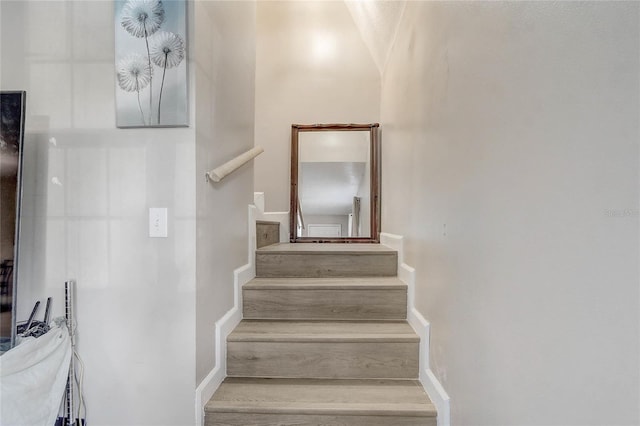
(225, 73)
(510, 155)
(87, 190)
(88, 187)
(311, 67)
(338, 146)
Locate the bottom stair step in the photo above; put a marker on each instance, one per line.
(371, 402)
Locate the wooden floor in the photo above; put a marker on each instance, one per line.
(324, 341)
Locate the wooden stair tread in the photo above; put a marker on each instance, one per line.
(326, 248)
(322, 396)
(324, 341)
(364, 283)
(322, 331)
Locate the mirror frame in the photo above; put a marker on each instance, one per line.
(373, 128)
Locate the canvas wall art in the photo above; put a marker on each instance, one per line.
(151, 63)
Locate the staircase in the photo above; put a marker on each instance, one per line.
(324, 341)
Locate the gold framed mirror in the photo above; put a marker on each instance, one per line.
(335, 183)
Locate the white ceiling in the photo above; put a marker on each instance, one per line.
(328, 188)
(377, 21)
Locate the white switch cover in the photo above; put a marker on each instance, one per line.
(158, 222)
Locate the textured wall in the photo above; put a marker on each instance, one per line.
(510, 164)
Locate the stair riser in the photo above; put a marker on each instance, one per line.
(242, 419)
(267, 233)
(323, 359)
(325, 265)
(364, 304)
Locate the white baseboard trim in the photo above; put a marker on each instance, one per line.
(422, 327)
(225, 325)
(438, 396)
(258, 200)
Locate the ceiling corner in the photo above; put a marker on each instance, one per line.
(378, 22)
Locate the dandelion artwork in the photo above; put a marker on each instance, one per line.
(151, 66)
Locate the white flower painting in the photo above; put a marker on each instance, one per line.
(151, 66)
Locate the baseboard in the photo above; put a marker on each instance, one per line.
(258, 200)
(438, 396)
(225, 325)
(422, 327)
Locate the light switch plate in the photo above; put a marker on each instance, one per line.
(158, 222)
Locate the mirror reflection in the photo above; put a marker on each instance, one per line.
(334, 183)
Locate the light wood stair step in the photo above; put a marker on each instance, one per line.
(325, 298)
(247, 401)
(323, 331)
(267, 233)
(325, 260)
(323, 349)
